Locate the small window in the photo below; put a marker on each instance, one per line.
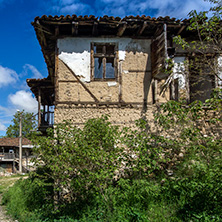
(103, 61)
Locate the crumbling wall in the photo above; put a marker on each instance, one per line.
(134, 71)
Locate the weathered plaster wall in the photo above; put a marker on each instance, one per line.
(134, 64)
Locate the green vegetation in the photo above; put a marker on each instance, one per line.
(28, 125)
(102, 173)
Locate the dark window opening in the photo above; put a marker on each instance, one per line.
(103, 58)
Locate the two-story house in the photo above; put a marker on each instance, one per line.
(106, 65)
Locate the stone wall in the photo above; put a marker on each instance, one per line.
(124, 116)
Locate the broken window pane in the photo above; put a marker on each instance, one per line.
(110, 49)
(110, 71)
(98, 71)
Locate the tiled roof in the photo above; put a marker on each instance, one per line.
(14, 141)
(106, 18)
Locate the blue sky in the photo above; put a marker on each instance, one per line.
(20, 53)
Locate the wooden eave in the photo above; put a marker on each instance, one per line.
(48, 29)
(46, 88)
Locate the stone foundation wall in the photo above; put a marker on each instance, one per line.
(125, 116)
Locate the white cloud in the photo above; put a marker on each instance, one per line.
(7, 76)
(23, 100)
(34, 72)
(76, 8)
(172, 8)
(71, 7)
(2, 127)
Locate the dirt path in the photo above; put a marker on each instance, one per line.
(6, 182)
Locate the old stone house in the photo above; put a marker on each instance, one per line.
(107, 65)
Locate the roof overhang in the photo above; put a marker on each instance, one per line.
(44, 88)
(48, 29)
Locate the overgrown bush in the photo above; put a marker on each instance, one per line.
(102, 173)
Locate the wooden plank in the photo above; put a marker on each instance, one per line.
(122, 29)
(67, 80)
(98, 103)
(142, 28)
(83, 85)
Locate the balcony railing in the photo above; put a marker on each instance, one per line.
(7, 156)
(46, 121)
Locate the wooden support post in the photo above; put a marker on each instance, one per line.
(39, 107)
(75, 26)
(176, 89)
(172, 90)
(48, 113)
(165, 38)
(154, 91)
(120, 82)
(187, 84)
(20, 142)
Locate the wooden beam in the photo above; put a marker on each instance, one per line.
(99, 104)
(83, 85)
(57, 30)
(142, 28)
(158, 32)
(75, 27)
(43, 38)
(122, 29)
(95, 29)
(181, 29)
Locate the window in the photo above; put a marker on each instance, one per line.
(104, 61)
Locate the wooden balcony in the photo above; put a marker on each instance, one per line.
(46, 121)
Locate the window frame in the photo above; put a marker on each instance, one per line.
(104, 56)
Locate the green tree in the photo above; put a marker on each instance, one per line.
(29, 125)
(204, 44)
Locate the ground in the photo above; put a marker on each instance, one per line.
(6, 182)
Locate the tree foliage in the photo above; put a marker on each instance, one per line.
(28, 125)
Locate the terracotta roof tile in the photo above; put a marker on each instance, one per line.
(106, 18)
(14, 141)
